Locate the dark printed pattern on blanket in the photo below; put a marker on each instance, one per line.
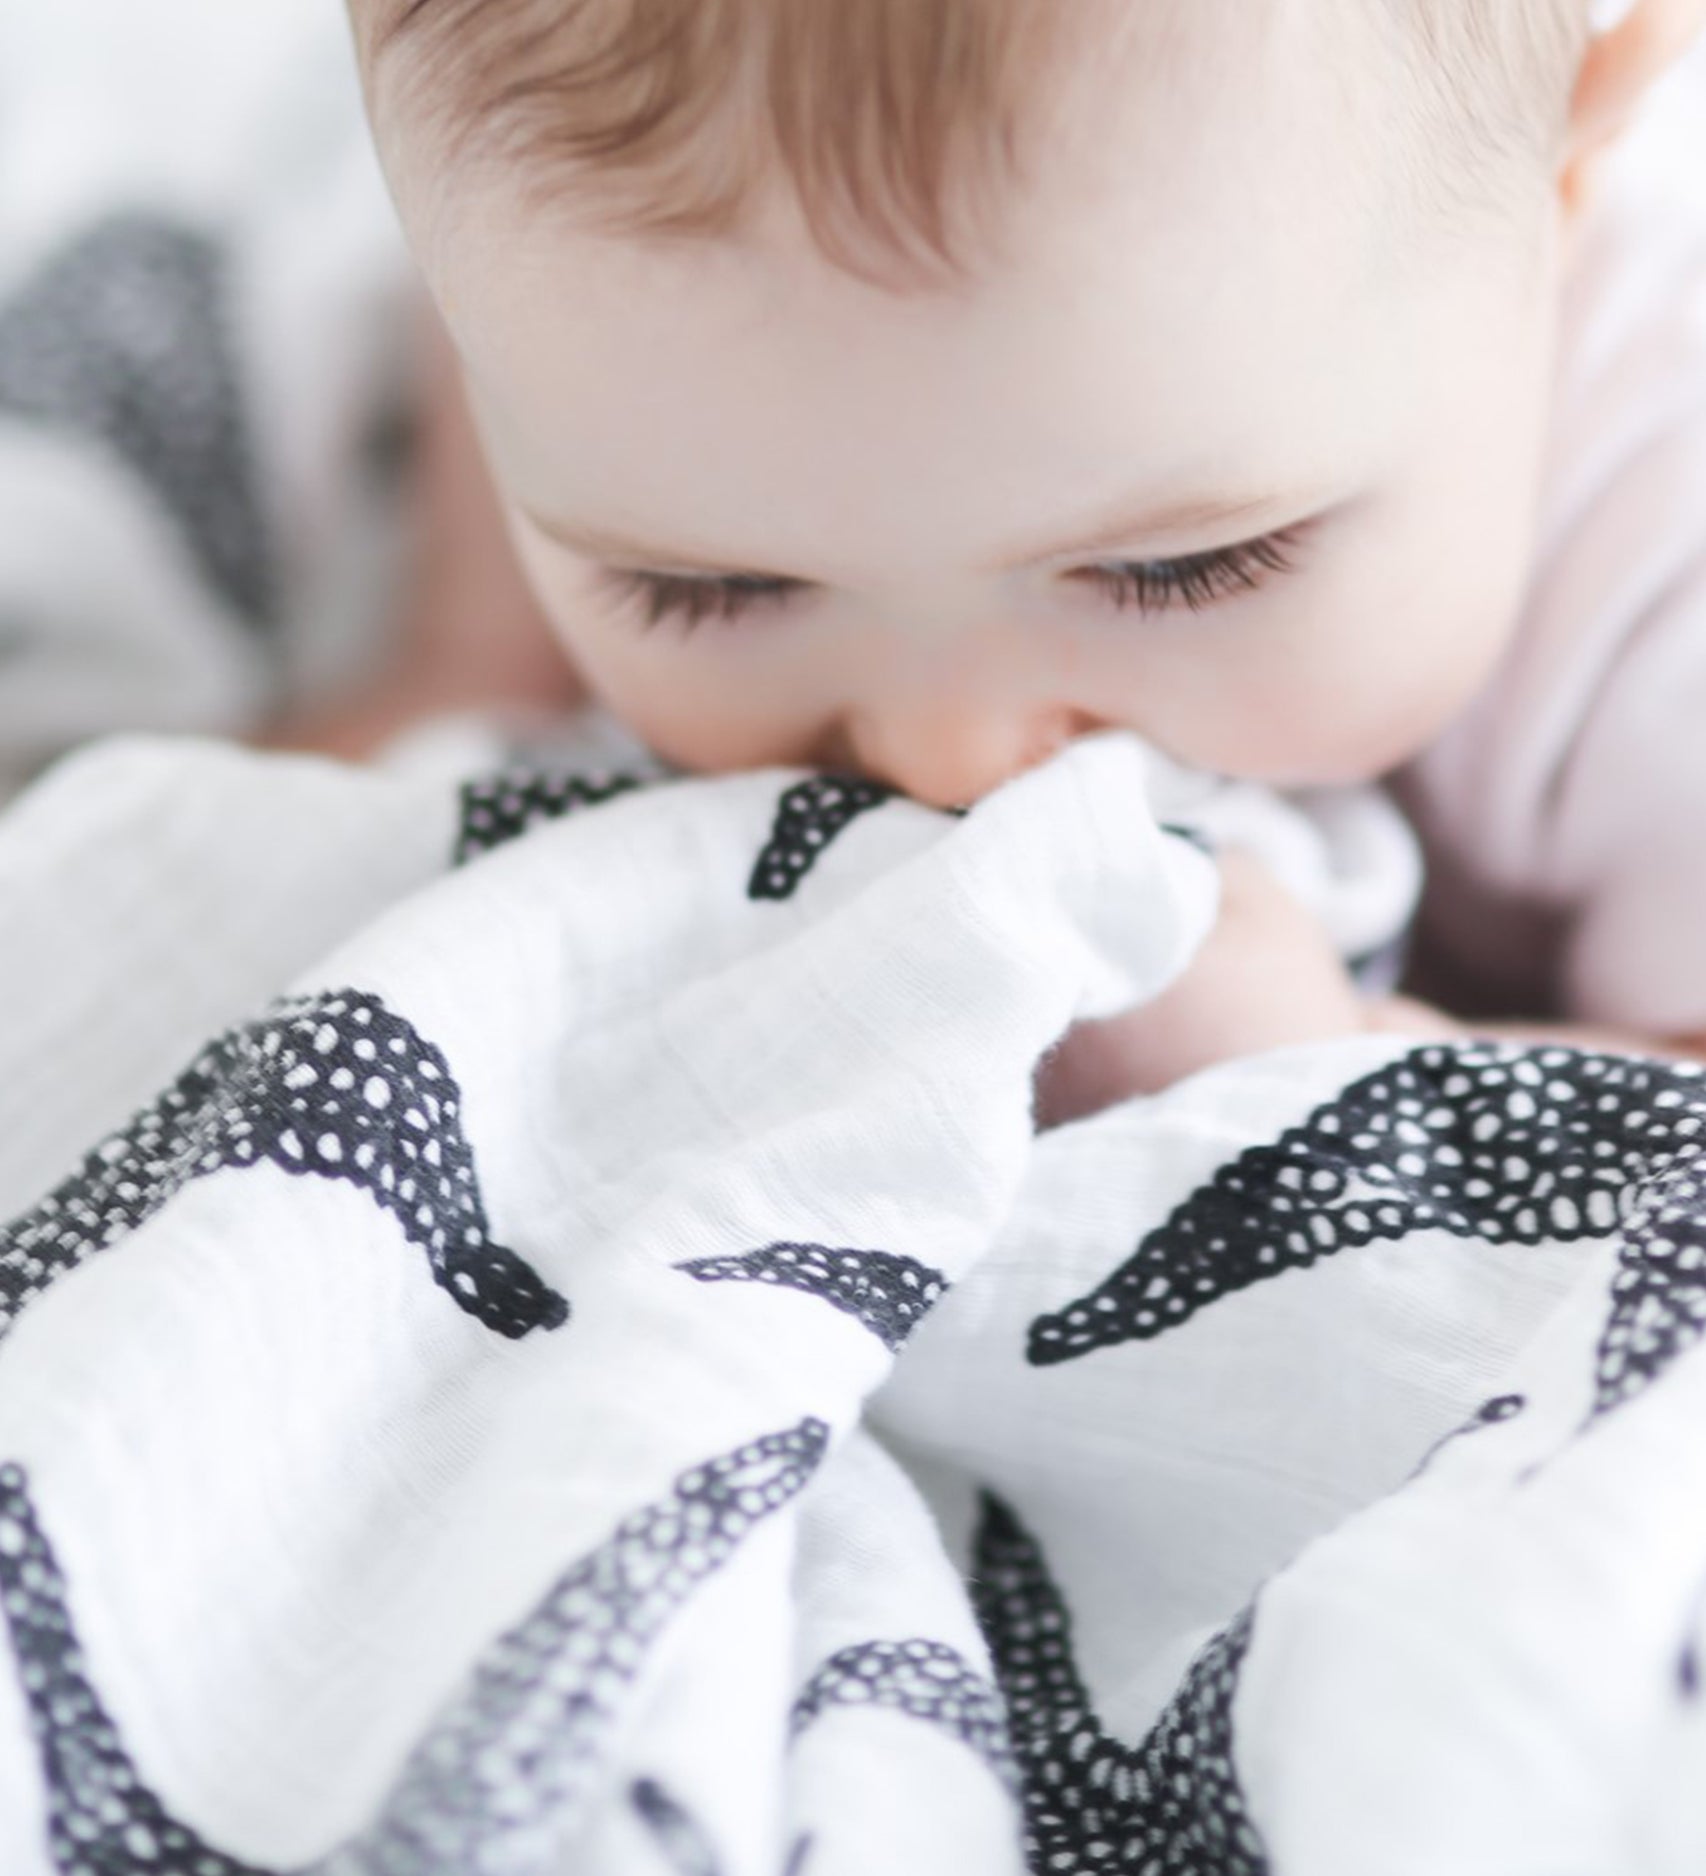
(333, 1086)
(514, 1758)
(887, 1294)
(681, 1838)
(808, 817)
(1482, 1141)
(510, 1761)
(101, 1817)
(1198, 837)
(496, 809)
(927, 1680)
(123, 338)
(679, 1835)
(1172, 1804)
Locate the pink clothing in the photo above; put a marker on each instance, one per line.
(1564, 815)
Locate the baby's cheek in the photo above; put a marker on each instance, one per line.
(1374, 665)
(706, 699)
(1402, 688)
(1326, 703)
(1361, 716)
(695, 727)
(669, 700)
(689, 705)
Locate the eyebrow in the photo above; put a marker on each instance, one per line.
(1193, 515)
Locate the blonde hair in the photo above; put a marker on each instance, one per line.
(895, 121)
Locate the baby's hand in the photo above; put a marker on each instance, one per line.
(1266, 976)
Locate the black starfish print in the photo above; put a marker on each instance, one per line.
(101, 1818)
(333, 1086)
(1496, 1142)
(498, 1781)
(123, 337)
(927, 1680)
(514, 1757)
(1169, 1807)
(888, 1295)
(499, 808)
(808, 817)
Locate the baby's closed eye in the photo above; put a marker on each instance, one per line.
(1193, 581)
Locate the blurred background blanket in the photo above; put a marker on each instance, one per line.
(206, 370)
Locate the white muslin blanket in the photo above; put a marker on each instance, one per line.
(538, 1337)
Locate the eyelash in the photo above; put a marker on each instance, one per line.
(688, 601)
(1152, 586)
(1195, 579)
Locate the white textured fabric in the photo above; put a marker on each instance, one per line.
(1563, 815)
(566, 1355)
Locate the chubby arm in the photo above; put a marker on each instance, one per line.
(1266, 977)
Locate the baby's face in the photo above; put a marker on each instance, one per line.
(1230, 445)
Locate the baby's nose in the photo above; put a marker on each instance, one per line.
(952, 755)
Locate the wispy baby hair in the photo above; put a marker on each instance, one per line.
(896, 122)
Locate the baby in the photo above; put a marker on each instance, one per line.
(909, 386)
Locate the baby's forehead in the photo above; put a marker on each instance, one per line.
(904, 129)
(1151, 343)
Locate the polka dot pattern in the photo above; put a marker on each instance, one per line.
(808, 818)
(122, 337)
(1493, 1142)
(333, 1086)
(680, 1838)
(496, 809)
(513, 1761)
(101, 1819)
(926, 1680)
(886, 1294)
(1169, 1807)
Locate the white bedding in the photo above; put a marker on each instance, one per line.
(452, 1421)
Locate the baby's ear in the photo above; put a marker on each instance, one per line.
(1633, 43)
